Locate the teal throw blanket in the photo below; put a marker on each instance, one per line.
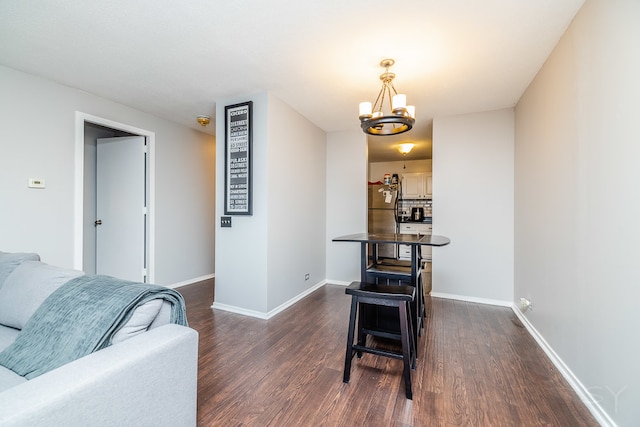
(79, 318)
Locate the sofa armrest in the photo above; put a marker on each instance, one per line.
(148, 380)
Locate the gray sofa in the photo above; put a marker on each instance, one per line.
(146, 377)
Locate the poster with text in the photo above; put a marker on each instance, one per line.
(238, 140)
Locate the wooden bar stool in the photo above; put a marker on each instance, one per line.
(401, 275)
(364, 295)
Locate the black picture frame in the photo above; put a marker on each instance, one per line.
(238, 193)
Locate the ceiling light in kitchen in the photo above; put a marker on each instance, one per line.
(405, 148)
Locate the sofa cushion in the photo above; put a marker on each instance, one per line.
(9, 261)
(139, 321)
(7, 336)
(27, 287)
(163, 317)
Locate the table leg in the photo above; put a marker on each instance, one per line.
(416, 280)
(364, 261)
(414, 263)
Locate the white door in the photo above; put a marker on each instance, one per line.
(120, 207)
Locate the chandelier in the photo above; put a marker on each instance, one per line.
(400, 117)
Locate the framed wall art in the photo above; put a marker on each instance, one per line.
(238, 161)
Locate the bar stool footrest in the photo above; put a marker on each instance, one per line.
(378, 351)
(382, 334)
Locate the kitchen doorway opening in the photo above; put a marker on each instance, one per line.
(399, 196)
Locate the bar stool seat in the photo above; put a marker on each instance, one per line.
(400, 296)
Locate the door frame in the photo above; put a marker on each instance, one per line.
(78, 234)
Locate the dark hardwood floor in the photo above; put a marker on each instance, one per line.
(478, 366)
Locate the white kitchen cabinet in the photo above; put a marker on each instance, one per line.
(415, 228)
(404, 251)
(417, 185)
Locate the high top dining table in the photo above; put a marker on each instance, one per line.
(373, 239)
(396, 272)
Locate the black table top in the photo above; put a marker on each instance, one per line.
(404, 239)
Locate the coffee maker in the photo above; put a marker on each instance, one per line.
(417, 214)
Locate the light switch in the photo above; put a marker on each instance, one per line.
(36, 183)
(225, 221)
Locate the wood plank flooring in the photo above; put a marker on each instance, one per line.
(478, 366)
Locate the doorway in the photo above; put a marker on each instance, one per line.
(399, 174)
(86, 240)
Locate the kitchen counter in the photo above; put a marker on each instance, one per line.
(426, 220)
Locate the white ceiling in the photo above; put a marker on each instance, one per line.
(175, 59)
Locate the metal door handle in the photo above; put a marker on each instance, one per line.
(98, 222)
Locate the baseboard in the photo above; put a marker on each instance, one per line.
(269, 314)
(473, 299)
(587, 398)
(240, 310)
(191, 281)
(338, 282)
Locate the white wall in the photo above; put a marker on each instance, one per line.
(297, 204)
(37, 140)
(473, 206)
(241, 256)
(261, 261)
(346, 202)
(378, 169)
(185, 208)
(578, 203)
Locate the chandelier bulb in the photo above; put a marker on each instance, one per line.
(365, 109)
(399, 101)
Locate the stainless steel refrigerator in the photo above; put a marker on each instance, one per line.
(382, 215)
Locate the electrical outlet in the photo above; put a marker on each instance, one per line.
(306, 276)
(525, 304)
(225, 221)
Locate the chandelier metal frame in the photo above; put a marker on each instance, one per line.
(374, 121)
